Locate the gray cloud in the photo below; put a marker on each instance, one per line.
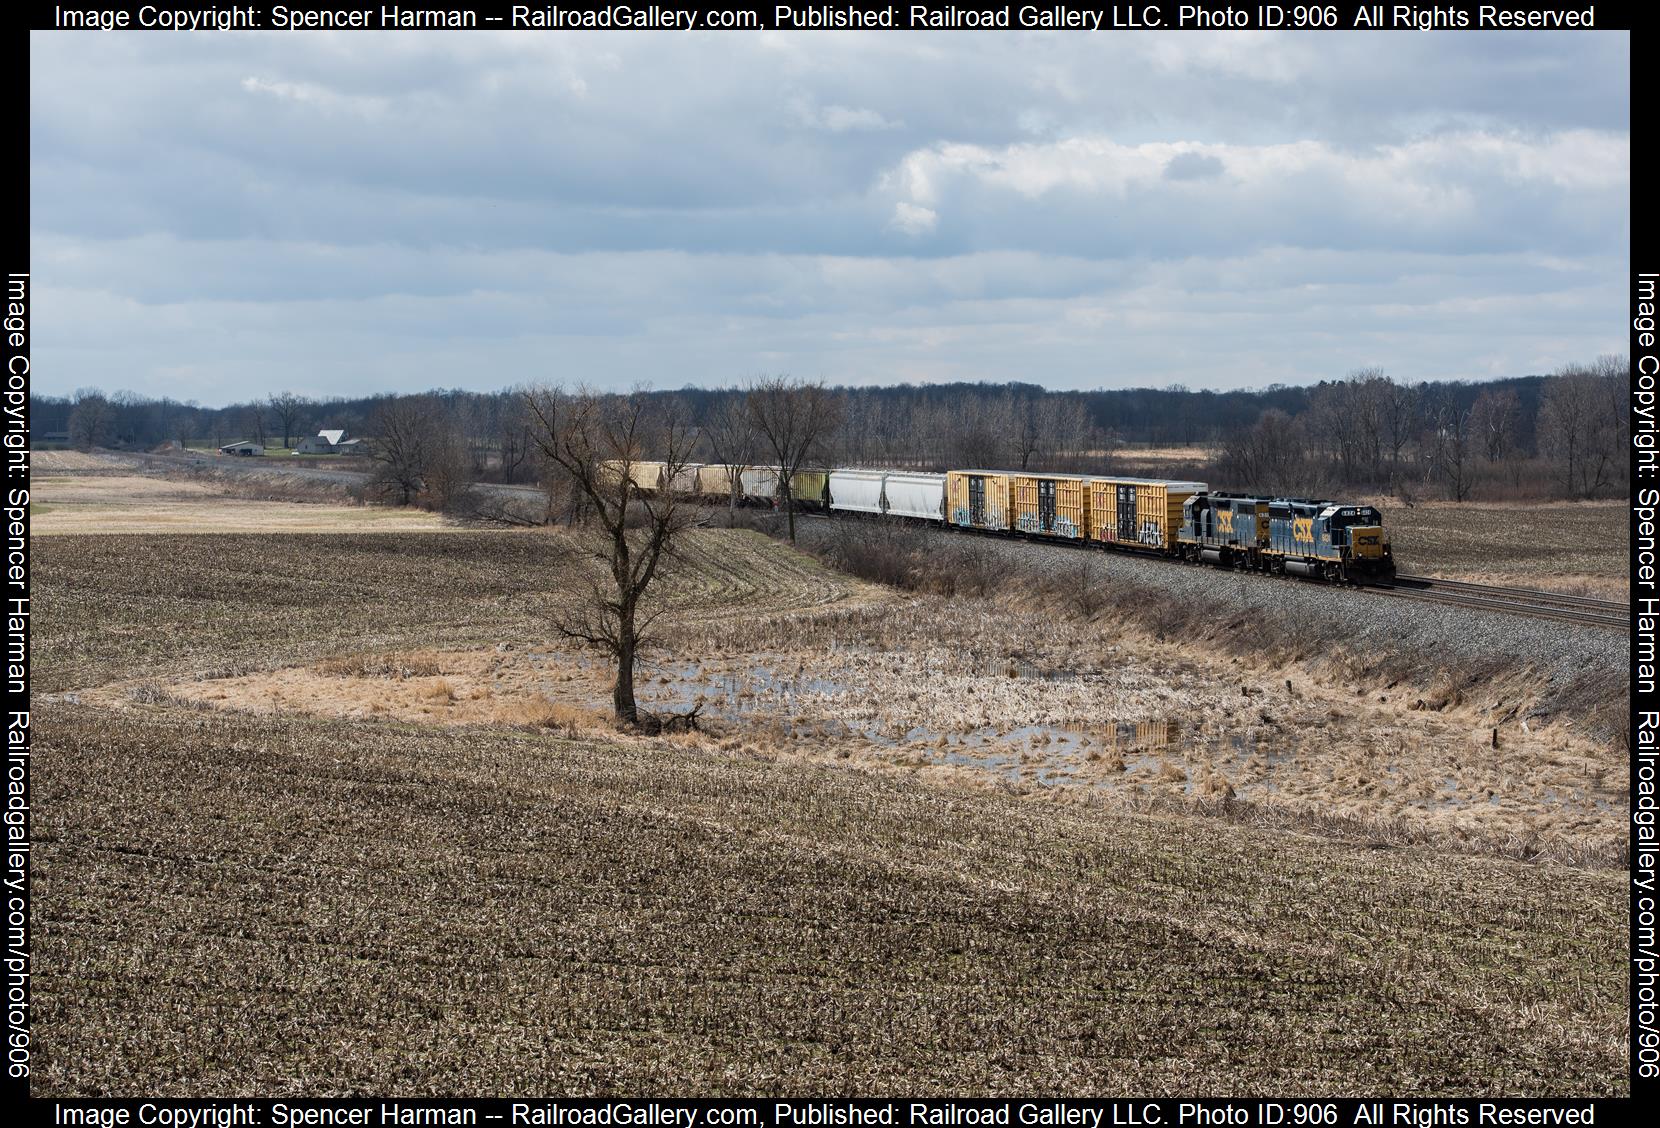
(215, 216)
(1193, 166)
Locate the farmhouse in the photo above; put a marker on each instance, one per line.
(352, 446)
(323, 442)
(244, 448)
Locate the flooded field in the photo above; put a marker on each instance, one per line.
(1124, 720)
(806, 708)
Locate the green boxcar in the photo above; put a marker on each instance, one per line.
(810, 487)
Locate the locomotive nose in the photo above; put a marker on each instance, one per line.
(1367, 541)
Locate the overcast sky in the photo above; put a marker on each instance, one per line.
(215, 217)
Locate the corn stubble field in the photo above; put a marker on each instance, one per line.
(1576, 547)
(245, 895)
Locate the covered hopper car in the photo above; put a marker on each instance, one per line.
(910, 494)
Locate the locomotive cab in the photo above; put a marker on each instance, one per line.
(1356, 535)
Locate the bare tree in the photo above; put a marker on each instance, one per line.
(408, 432)
(1613, 374)
(1400, 420)
(1026, 429)
(1267, 456)
(729, 436)
(1495, 419)
(91, 419)
(253, 422)
(447, 477)
(1047, 424)
(795, 420)
(1450, 446)
(513, 436)
(181, 423)
(288, 408)
(593, 441)
(1575, 430)
(1350, 417)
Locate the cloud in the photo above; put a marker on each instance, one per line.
(1452, 190)
(1193, 166)
(839, 119)
(313, 95)
(224, 214)
(913, 219)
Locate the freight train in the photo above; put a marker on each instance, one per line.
(1327, 540)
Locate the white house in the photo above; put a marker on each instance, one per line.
(324, 442)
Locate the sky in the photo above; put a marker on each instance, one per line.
(215, 217)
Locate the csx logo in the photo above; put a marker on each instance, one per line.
(1224, 521)
(1368, 540)
(1303, 528)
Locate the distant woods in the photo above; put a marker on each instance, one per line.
(1566, 435)
(1563, 435)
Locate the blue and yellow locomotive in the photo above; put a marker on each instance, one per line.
(1298, 536)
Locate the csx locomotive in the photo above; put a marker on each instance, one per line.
(1298, 536)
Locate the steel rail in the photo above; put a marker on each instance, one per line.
(1531, 595)
(1507, 606)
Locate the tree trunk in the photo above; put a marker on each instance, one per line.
(622, 694)
(789, 507)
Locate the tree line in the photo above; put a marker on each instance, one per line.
(1563, 435)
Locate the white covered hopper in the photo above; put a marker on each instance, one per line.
(917, 495)
(856, 491)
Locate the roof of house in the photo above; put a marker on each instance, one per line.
(331, 437)
(240, 443)
(350, 442)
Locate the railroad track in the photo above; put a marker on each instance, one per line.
(1512, 601)
(1428, 589)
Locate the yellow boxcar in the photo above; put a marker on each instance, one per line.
(685, 479)
(1051, 505)
(978, 499)
(715, 479)
(1138, 512)
(612, 469)
(647, 475)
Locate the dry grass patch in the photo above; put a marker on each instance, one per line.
(60, 461)
(423, 687)
(134, 503)
(1151, 455)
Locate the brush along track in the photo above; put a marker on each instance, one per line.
(1514, 601)
(1458, 593)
